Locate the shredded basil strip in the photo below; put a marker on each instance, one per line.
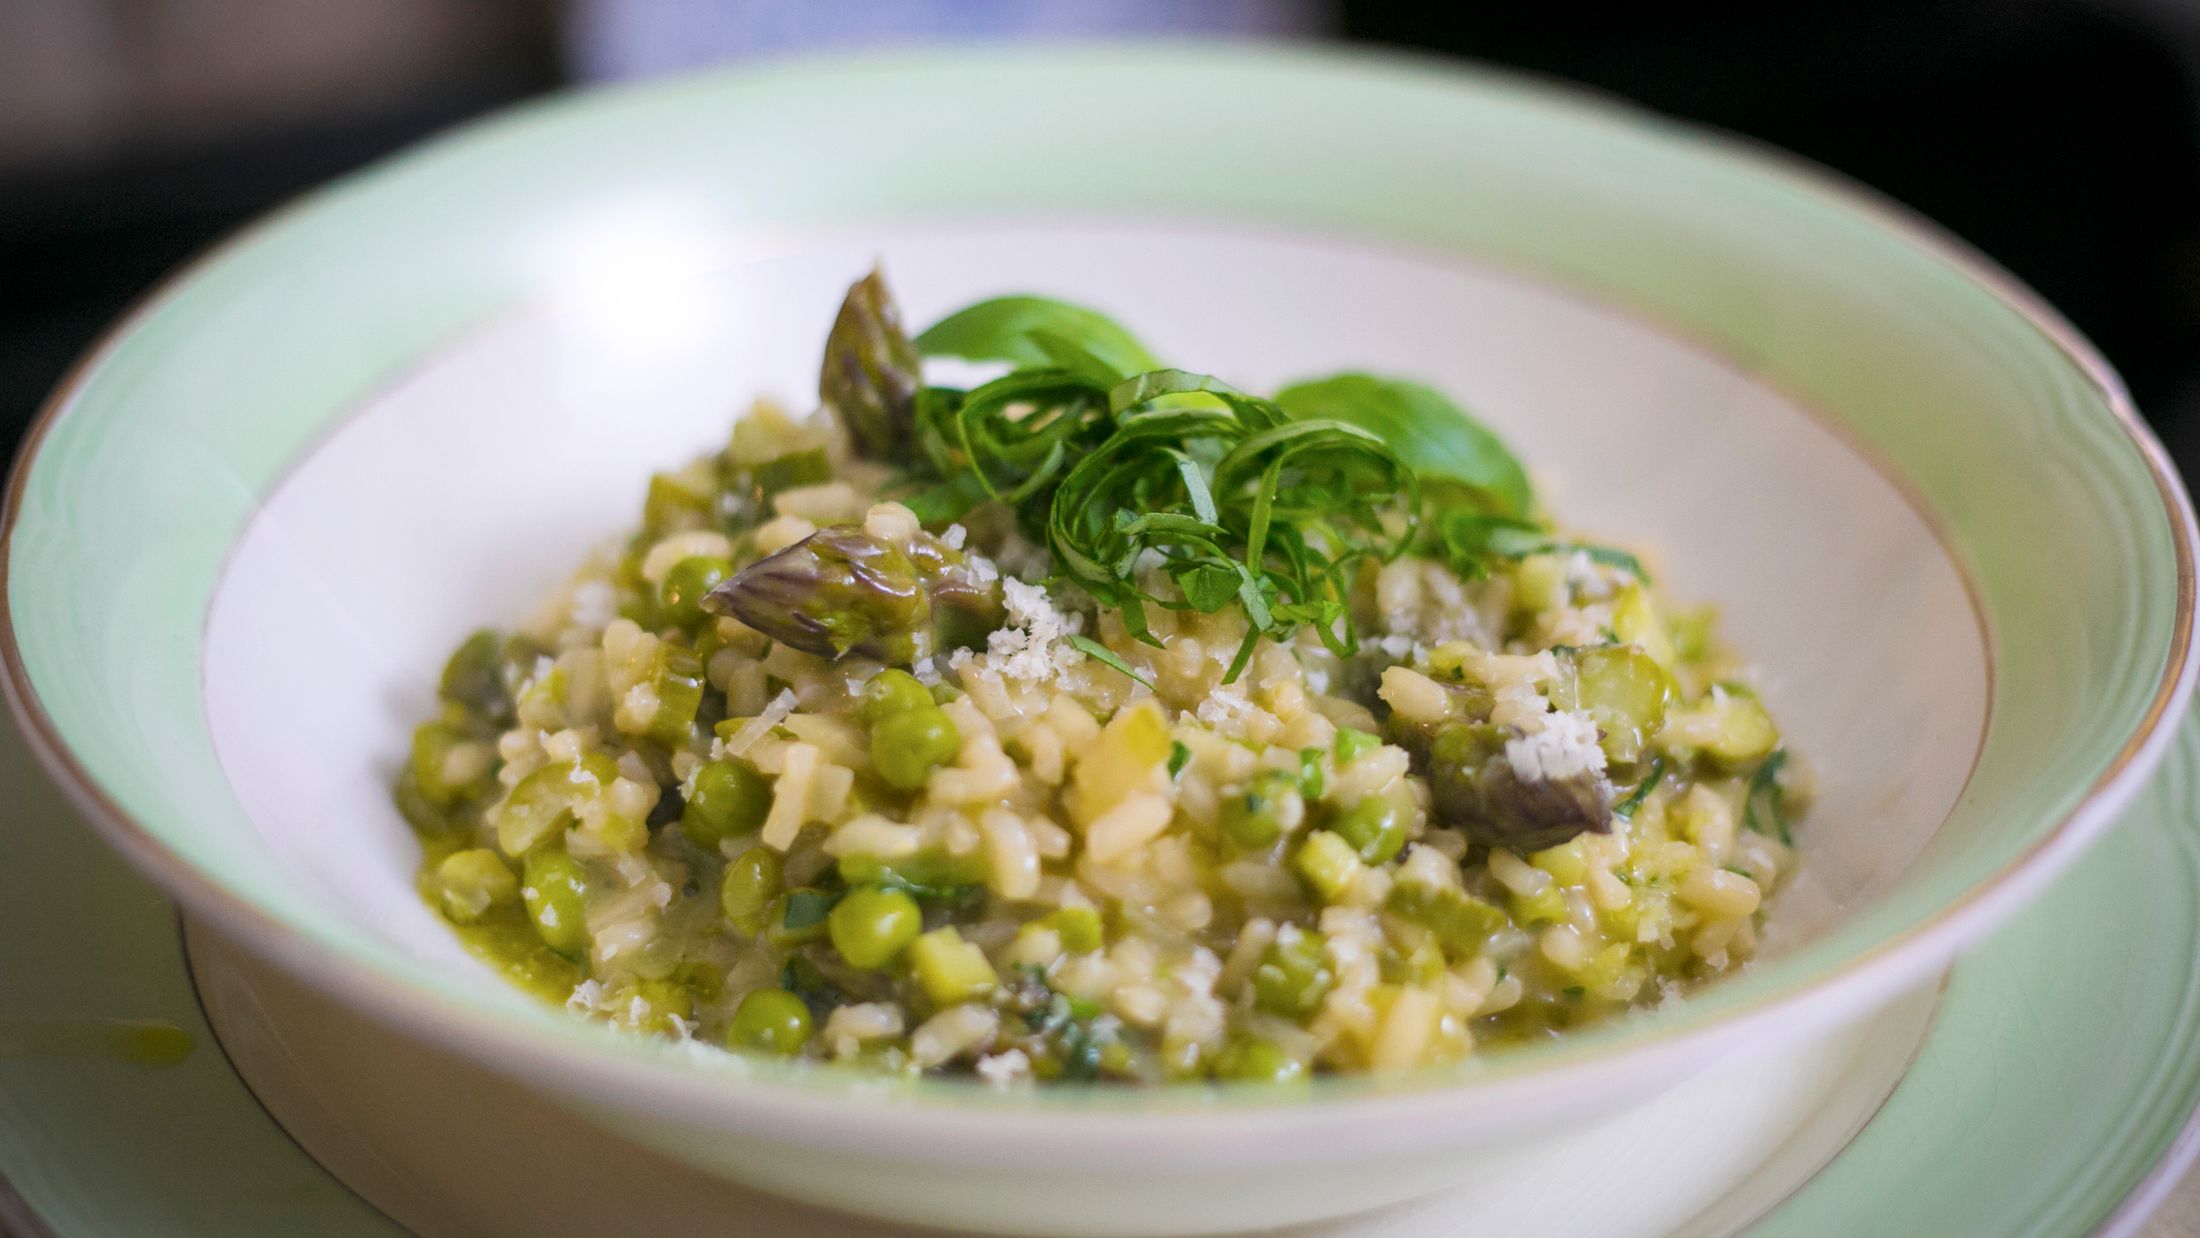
(1766, 810)
(1625, 809)
(1102, 654)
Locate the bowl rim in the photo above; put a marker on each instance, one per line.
(1905, 956)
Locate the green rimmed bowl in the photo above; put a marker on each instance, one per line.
(248, 524)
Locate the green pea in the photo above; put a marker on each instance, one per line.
(726, 799)
(680, 596)
(471, 883)
(893, 692)
(1269, 808)
(1294, 976)
(748, 888)
(871, 927)
(1351, 743)
(555, 888)
(1255, 1060)
(474, 677)
(906, 747)
(772, 1021)
(1374, 827)
(447, 766)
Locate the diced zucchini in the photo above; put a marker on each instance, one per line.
(949, 969)
(1327, 863)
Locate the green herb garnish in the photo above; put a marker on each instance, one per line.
(1766, 807)
(1179, 757)
(1101, 653)
(1156, 487)
(1625, 809)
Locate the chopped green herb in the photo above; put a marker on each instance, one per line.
(1179, 756)
(806, 909)
(1766, 810)
(1106, 657)
(1625, 809)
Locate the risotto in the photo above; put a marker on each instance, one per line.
(1100, 721)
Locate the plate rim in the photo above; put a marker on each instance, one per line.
(397, 997)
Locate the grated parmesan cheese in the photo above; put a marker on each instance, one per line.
(1004, 1069)
(1032, 645)
(743, 739)
(1565, 746)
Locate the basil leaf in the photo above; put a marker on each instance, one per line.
(1030, 331)
(1208, 587)
(1431, 435)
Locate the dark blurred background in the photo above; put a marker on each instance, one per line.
(2062, 138)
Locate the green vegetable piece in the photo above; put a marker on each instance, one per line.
(949, 969)
(1031, 331)
(472, 883)
(892, 692)
(678, 679)
(1078, 926)
(661, 1002)
(750, 885)
(1179, 757)
(1741, 733)
(1254, 1059)
(447, 765)
(799, 917)
(1636, 620)
(1460, 921)
(1294, 976)
(770, 1021)
(925, 876)
(872, 372)
(1327, 863)
(1352, 743)
(1625, 691)
(795, 469)
(908, 746)
(1545, 906)
(672, 505)
(1269, 808)
(1429, 433)
(680, 596)
(474, 678)
(1311, 778)
(555, 888)
(1477, 790)
(1373, 828)
(871, 927)
(424, 817)
(728, 798)
(545, 801)
(837, 592)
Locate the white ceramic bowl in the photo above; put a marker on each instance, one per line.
(248, 529)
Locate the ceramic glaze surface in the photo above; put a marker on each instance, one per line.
(2015, 438)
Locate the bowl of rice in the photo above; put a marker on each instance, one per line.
(1180, 698)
